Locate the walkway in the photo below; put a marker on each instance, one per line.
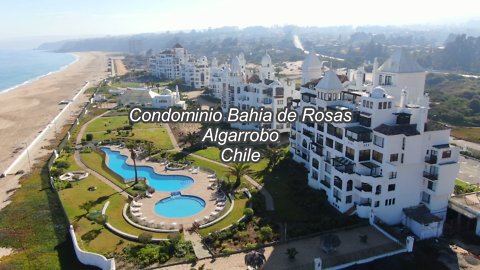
(78, 160)
(269, 205)
(198, 247)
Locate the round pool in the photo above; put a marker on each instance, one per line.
(179, 206)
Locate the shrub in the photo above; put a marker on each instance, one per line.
(89, 137)
(266, 233)
(148, 254)
(145, 238)
(61, 163)
(248, 212)
(56, 172)
(163, 257)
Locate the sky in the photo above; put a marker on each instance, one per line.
(53, 19)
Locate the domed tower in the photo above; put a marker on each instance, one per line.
(267, 70)
(311, 68)
(329, 87)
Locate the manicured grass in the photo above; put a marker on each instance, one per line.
(107, 123)
(212, 153)
(126, 84)
(234, 216)
(73, 198)
(471, 134)
(35, 226)
(158, 136)
(220, 171)
(96, 162)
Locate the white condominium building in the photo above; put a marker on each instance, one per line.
(178, 63)
(389, 162)
(243, 89)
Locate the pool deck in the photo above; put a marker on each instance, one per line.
(199, 188)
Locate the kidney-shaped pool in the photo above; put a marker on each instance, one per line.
(179, 206)
(117, 163)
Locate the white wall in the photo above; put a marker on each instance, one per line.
(89, 258)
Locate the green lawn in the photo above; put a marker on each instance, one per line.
(35, 226)
(213, 153)
(464, 187)
(107, 123)
(96, 161)
(234, 216)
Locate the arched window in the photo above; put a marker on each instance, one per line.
(349, 185)
(304, 143)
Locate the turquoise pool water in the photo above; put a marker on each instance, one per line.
(179, 206)
(116, 162)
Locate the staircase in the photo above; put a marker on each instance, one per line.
(199, 248)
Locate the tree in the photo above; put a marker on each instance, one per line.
(87, 206)
(133, 156)
(255, 259)
(89, 137)
(330, 243)
(191, 138)
(291, 253)
(238, 170)
(274, 155)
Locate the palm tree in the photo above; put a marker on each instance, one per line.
(291, 253)
(238, 170)
(133, 156)
(191, 138)
(274, 155)
(255, 259)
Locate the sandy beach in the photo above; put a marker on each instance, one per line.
(27, 110)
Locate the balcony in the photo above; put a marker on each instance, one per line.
(431, 159)
(430, 176)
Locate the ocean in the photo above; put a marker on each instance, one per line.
(18, 67)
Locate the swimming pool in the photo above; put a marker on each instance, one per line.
(116, 162)
(179, 206)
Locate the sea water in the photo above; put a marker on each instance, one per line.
(19, 67)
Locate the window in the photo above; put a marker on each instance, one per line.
(364, 155)
(388, 80)
(447, 154)
(403, 144)
(432, 185)
(315, 163)
(377, 156)
(339, 147)
(349, 185)
(348, 199)
(350, 153)
(393, 157)
(425, 197)
(337, 182)
(392, 175)
(329, 142)
(280, 102)
(390, 202)
(377, 203)
(377, 140)
(380, 79)
(391, 187)
(337, 194)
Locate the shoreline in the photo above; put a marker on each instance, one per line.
(32, 80)
(32, 107)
